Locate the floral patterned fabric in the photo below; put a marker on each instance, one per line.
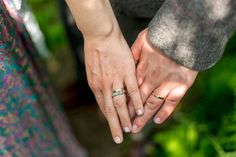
(31, 123)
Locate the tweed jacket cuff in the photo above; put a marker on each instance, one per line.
(193, 32)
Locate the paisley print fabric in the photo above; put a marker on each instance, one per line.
(31, 122)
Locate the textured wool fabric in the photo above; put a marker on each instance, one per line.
(194, 32)
(191, 32)
(137, 8)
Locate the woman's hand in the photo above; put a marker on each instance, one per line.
(109, 63)
(162, 82)
(110, 66)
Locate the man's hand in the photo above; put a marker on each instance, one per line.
(162, 82)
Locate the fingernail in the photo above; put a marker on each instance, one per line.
(126, 129)
(135, 128)
(140, 112)
(157, 120)
(117, 140)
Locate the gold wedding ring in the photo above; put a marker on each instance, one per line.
(118, 92)
(158, 97)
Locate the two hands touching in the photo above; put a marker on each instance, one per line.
(153, 87)
(130, 85)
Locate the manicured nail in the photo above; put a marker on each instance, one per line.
(135, 128)
(157, 120)
(140, 112)
(126, 129)
(117, 140)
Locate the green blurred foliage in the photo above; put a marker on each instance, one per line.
(48, 16)
(206, 124)
(60, 64)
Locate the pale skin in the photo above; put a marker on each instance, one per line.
(110, 65)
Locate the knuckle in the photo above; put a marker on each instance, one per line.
(164, 114)
(118, 103)
(151, 105)
(93, 85)
(109, 111)
(172, 101)
(174, 98)
(133, 91)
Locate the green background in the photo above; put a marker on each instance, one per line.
(204, 124)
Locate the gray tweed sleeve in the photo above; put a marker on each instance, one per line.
(193, 32)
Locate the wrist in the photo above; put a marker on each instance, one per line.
(107, 33)
(94, 18)
(105, 30)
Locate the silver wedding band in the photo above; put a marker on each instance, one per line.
(118, 92)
